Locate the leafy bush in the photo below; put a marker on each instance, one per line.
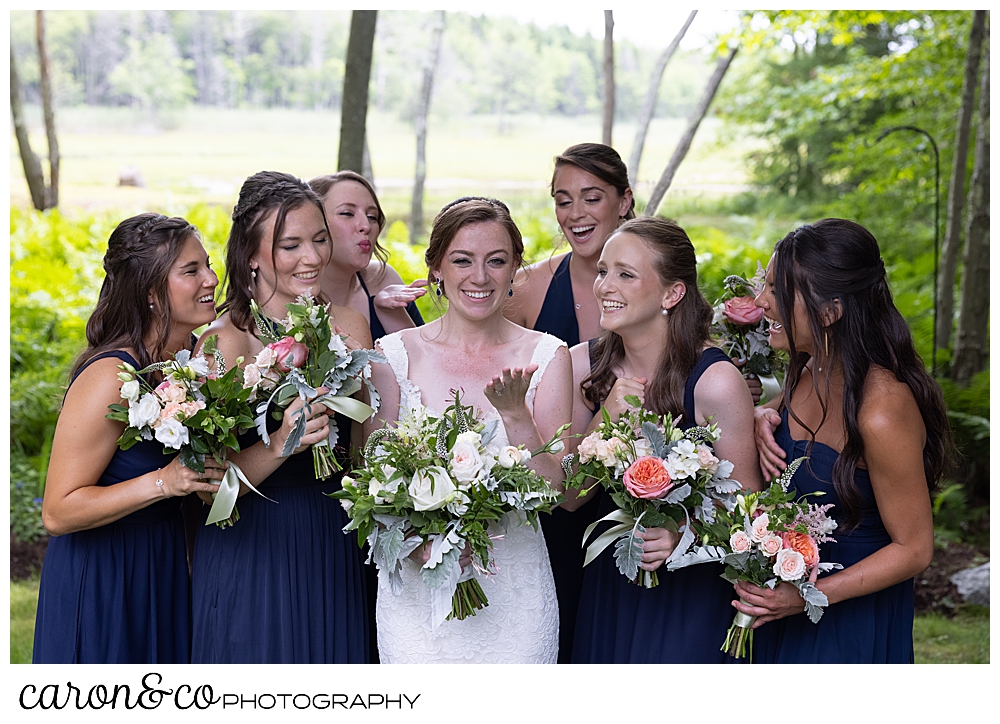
(25, 500)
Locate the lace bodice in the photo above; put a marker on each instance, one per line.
(521, 622)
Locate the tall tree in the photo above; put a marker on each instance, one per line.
(956, 189)
(971, 353)
(648, 108)
(32, 166)
(684, 144)
(609, 77)
(417, 203)
(48, 113)
(354, 103)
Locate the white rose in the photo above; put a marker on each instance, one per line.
(391, 485)
(172, 433)
(771, 544)
(131, 390)
(266, 357)
(466, 462)
(739, 542)
(758, 528)
(429, 488)
(469, 436)
(144, 412)
(588, 448)
(508, 456)
(789, 565)
(251, 375)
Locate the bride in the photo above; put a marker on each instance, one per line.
(509, 373)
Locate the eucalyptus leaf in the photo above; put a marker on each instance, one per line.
(295, 436)
(656, 439)
(678, 495)
(628, 553)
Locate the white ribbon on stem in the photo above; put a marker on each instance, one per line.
(229, 490)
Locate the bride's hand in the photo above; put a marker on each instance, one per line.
(507, 390)
(422, 553)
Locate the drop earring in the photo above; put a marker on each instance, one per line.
(510, 289)
(437, 290)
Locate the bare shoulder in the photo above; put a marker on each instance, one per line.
(378, 276)
(530, 286)
(231, 341)
(718, 384)
(97, 386)
(541, 272)
(888, 406)
(353, 323)
(580, 356)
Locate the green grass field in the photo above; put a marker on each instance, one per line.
(964, 639)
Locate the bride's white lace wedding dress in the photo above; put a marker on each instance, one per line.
(521, 623)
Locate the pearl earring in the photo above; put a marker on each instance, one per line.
(150, 305)
(253, 274)
(665, 312)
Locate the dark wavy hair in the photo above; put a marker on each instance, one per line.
(141, 251)
(836, 261)
(597, 160)
(687, 324)
(322, 185)
(462, 212)
(260, 194)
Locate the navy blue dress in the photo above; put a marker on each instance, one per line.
(563, 529)
(683, 620)
(872, 629)
(375, 324)
(284, 585)
(118, 594)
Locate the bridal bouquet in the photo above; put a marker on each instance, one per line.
(658, 475)
(740, 325)
(441, 481)
(769, 537)
(193, 411)
(304, 353)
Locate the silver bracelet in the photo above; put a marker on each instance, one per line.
(159, 482)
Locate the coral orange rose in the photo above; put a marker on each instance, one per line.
(804, 544)
(647, 478)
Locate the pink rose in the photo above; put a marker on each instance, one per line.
(708, 460)
(739, 542)
(771, 545)
(170, 411)
(758, 529)
(286, 348)
(171, 392)
(789, 566)
(742, 310)
(647, 478)
(190, 409)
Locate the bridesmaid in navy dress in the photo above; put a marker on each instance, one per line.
(284, 584)
(592, 197)
(114, 584)
(859, 402)
(655, 345)
(353, 279)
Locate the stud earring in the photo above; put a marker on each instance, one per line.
(253, 274)
(665, 312)
(150, 305)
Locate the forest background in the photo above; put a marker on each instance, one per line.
(186, 104)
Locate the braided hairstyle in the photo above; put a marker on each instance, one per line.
(141, 251)
(260, 195)
(688, 323)
(838, 262)
(464, 211)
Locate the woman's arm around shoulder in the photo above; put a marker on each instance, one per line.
(83, 445)
(722, 397)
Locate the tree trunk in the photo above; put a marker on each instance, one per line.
(609, 77)
(684, 145)
(417, 203)
(648, 108)
(366, 164)
(32, 166)
(971, 353)
(354, 103)
(45, 82)
(956, 188)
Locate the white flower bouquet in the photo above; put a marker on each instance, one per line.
(658, 475)
(441, 481)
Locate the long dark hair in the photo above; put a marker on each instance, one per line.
(322, 185)
(597, 160)
(462, 212)
(260, 194)
(687, 324)
(836, 261)
(141, 251)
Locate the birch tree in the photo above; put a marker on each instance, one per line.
(609, 77)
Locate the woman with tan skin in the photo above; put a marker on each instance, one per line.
(114, 586)
(283, 585)
(655, 345)
(353, 279)
(858, 401)
(513, 374)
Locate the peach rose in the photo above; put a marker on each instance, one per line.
(804, 544)
(647, 478)
(742, 310)
(286, 348)
(758, 529)
(739, 542)
(789, 565)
